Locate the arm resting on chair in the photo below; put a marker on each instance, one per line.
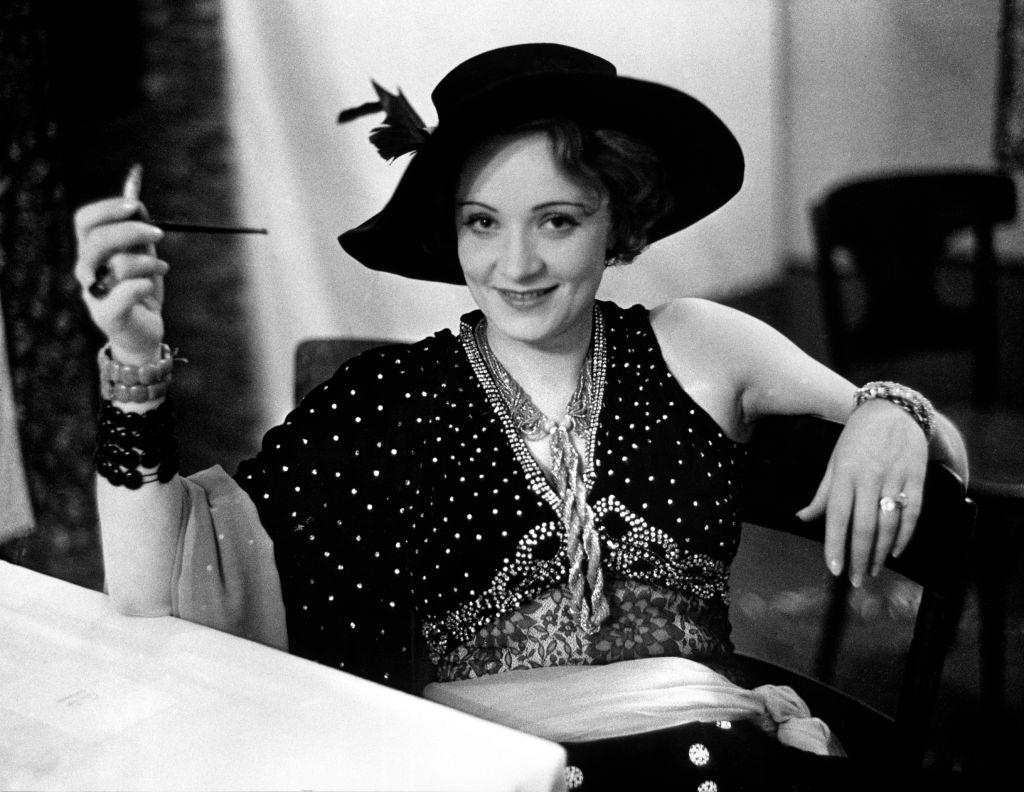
(743, 371)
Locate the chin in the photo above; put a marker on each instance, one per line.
(534, 327)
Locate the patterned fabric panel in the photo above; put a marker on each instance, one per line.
(645, 621)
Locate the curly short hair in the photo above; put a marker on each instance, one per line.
(628, 171)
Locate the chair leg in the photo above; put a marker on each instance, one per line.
(835, 626)
(991, 570)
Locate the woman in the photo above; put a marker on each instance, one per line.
(554, 487)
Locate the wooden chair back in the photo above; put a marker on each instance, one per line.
(892, 233)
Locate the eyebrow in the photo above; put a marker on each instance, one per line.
(547, 204)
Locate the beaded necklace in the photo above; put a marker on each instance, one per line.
(527, 417)
(571, 473)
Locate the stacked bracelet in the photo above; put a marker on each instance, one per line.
(128, 441)
(916, 405)
(123, 383)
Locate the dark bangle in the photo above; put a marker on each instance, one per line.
(127, 443)
(908, 399)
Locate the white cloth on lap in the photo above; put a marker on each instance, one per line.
(583, 703)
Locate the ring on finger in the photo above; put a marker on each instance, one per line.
(890, 503)
(103, 283)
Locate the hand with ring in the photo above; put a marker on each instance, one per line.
(891, 503)
(871, 492)
(121, 276)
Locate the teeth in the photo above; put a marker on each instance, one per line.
(525, 295)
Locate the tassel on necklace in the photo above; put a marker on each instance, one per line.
(582, 542)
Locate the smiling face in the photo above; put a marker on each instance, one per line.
(532, 243)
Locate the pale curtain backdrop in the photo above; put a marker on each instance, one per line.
(15, 507)
(293, 64)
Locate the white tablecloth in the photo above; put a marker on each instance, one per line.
(90, 699)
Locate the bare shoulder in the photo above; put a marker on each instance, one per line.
(703, 333)
(690, 316)
(743, 367)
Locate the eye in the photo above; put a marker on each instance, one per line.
(479, 222)
(560, 222)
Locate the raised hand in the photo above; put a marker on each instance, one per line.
(117, 248)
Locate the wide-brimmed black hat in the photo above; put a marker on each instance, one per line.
(506, 87)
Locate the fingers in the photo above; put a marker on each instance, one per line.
(122, 279)
(858, 535)
(118, 304)
(125, 266)
(122, 267)
(888, 524)
(880, 454)
(816, 508)
(837, 521)
(104, 229)
(835, 526)
(874, 532)
(104, 241)
(864, 528)
(914, 490)
(109, 210)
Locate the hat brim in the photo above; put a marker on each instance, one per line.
(703, 161)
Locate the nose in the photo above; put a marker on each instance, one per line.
(520, 259)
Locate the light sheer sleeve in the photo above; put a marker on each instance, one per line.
(225, 576)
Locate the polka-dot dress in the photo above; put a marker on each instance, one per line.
(400, 487)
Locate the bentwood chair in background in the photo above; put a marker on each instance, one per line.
(902, 301)
(316, 359)
(787, 458)
(892, 234)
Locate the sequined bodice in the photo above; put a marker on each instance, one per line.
(396, 486)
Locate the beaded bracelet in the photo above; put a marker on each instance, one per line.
(908, 399)
(123, 383)
(127, 441)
